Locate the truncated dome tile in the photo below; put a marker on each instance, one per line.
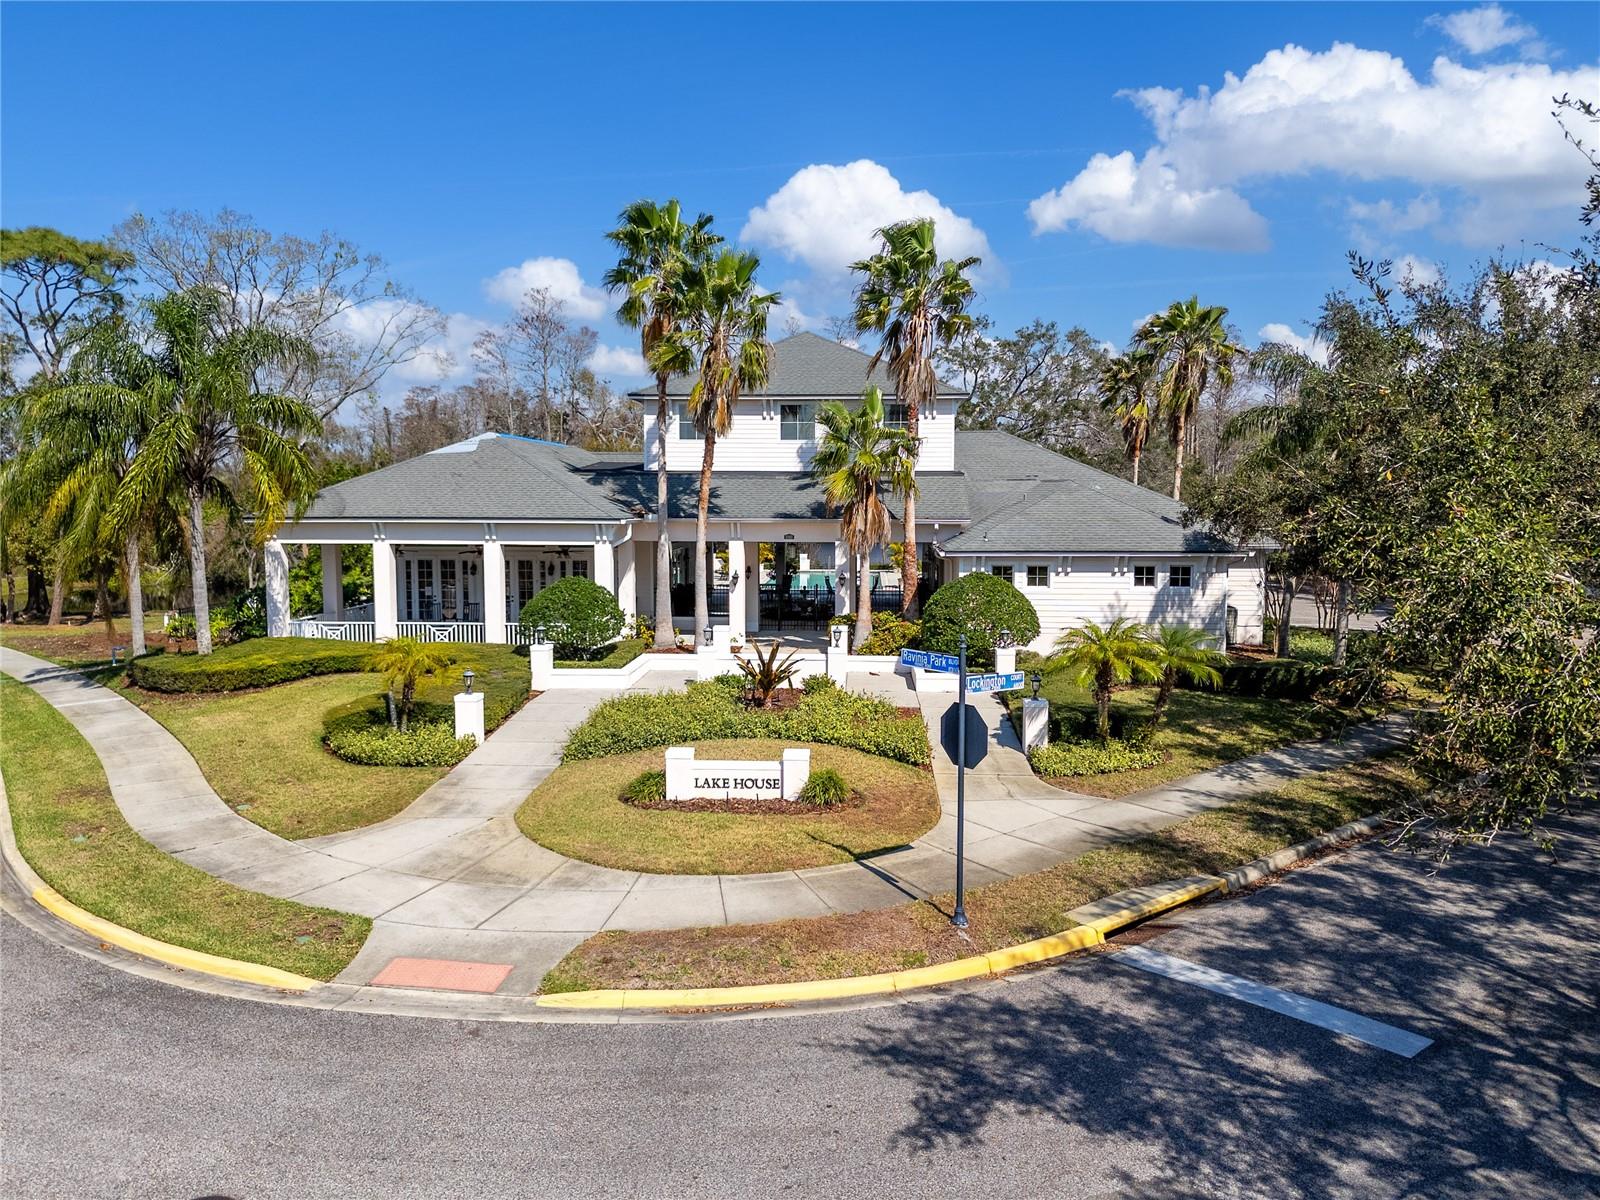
(443, 974)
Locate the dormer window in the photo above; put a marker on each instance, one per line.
(686, 430)
(797, 422)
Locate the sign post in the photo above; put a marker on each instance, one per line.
(959, 917)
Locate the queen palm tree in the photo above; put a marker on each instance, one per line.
(724, 338)
(859, 455)
(402, 661)
(1100, 657)
(656, 246)
(1190, 346)
(916, 304)
(1180, 652)
(1125, 393)
(214, 435)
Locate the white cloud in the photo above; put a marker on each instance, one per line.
(825, 216)
(1127, 201)
(1418, 270)
(1480, 30)
(1311, 346)
(1394, 218)
(1358, 113)
(617, 360)
(559, 276)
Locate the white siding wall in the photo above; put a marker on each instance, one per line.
(1083, 588)
(756, 444)
(1247, 593)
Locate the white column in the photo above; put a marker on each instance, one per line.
(332, 580)
(738, 588)
(844, 585)
(627, 580)
(752, 589)
(605, 566)
(385, 593)
(494, 592)
(277, 563)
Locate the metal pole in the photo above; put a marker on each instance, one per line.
(959, 917)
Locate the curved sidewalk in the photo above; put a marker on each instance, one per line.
(451, 877)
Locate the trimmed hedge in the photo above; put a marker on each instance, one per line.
(1091, 758)
(432, 744)
(257, 663)
(620, 655)
(1278, 678)
(709, 711)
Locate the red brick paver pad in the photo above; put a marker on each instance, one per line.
(443, 974)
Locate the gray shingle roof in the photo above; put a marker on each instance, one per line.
(807, 365)
(1029, 500)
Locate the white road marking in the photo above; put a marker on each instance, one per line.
(1301, 1008)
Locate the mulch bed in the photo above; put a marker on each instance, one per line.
(773, 808)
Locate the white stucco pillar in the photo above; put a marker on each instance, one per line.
(605, 566)
(494, 592)
(628, 580)
(385, 592)
(277, 564)
(752, 588)
(332, 580)
(844, 583)
(738, 587)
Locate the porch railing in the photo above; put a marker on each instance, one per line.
(441, 631)
(339, 631)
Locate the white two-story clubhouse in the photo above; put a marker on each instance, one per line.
(465, 535)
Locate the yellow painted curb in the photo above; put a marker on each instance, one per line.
(1041, 949)
(1156, 904)
(190, 960)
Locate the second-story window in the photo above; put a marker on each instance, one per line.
(686, 430)
(797, 422)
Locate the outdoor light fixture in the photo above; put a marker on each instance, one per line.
(836, 634)
(538, 635)
(1036, 679)
(116, 653)
(467, 677)
(708, 635)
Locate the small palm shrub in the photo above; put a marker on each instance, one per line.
(1100, 657)
(766, 673)
(402, 661)
(648, 788)
(578, 615)
(989, 610)
(824, 788)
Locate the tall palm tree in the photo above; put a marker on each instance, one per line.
(1189, 343)
(214, 435)
(724, 339)
(859, 455)
(916, 304)
(83, 434)
(1125, 393)
(656, 246)
(1100, 657)
(1181, 652)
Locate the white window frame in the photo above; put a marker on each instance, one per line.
(1137, 568)
(1188, 576)
(1042, 570)
(803, 425)
(685, 422)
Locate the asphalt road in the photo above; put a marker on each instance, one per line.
(1090, 1079)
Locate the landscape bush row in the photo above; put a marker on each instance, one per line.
(711, 710)
(254, 664)
(1092, 758)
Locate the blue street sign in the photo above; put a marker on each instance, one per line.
(995, 683)
(930, 661)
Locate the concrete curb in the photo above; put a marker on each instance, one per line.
(1093, 924)
(53, 902)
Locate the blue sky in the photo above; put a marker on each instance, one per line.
(1104, 160)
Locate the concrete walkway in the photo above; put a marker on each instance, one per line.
(452, 877)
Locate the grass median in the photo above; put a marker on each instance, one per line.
(578, 811)
(69, 828)
(1001, 914)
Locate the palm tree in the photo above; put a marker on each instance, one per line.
(1099, 658)
(1190, 345)
(402, 661)
(1180, 652)
(213, 435)
(857, 455)
(83, 434)
(916, 304)
(656, 246)
(1125, 393)
(724, 338)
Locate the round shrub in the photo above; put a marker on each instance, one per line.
(817, 683)
(426, 745)
(578, 616)
(648, 788)
(988, 609)
(824, 788)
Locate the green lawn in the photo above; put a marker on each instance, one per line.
(77, 644)
(262, 751)
(68, 827)
(1001, 914)
(578, 812)
(1202, 729)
